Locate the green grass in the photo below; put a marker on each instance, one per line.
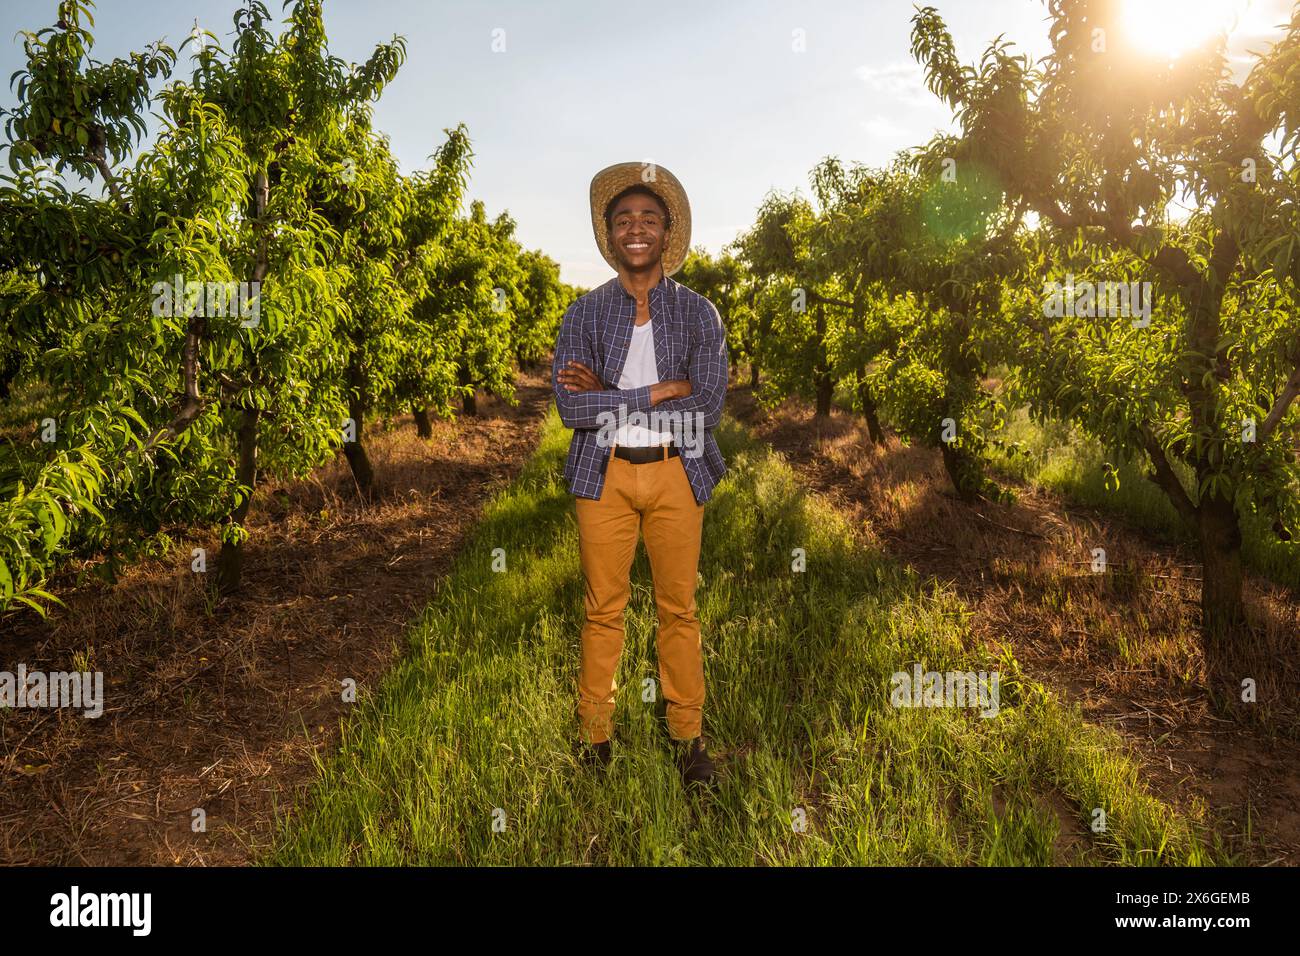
(480, 715)
(1059, 459)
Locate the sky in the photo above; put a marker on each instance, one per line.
(735, 98)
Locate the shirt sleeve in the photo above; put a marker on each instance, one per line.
(582, 409)
(707, 370)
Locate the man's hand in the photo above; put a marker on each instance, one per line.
(673, 388)
(576, 377)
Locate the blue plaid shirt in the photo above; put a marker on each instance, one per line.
(689, 343)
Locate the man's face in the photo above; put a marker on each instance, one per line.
(636, 231)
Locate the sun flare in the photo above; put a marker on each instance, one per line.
(1170, 28)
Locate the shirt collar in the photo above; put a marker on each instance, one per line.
(660, 286)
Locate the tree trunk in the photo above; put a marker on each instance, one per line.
(747, 348)
(470, 402)
(1223, 609)
(423, 427)
(9, 370)
(869, 411)
(965, 473)
(873, 420)
(355, 451)
(825, 390)
(230, 562)
(1217, 528)
(964, 464)
(822, 380)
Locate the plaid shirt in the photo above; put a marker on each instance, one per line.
(689, 343)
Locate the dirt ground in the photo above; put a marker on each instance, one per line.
(224, 709)
(1122, 644)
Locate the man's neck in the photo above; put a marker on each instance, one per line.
(640, 283)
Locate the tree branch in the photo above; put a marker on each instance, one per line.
(817, 297)
(109, 179)
(192, 404)
(1166, 479)
(261, 199)
(1284, 399)
(95, 153)
(1169, 259)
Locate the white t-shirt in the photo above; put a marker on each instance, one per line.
(638, 370)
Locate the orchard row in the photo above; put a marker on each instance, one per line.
(1113, 235)
(256, 286)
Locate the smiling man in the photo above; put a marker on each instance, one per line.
(640, 374)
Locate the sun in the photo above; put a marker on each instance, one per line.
(1169, 28)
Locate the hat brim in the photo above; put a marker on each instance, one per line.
(612, 180)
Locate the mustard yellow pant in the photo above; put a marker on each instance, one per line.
(654, 497)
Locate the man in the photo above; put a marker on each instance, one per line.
(640, 374)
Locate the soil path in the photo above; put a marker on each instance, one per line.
(222, 710)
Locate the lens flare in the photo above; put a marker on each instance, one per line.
(1170, 28)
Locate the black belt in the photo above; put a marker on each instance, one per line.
(640, 455)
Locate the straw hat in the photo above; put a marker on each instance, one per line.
(612, 180)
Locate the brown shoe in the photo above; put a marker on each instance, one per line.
(694, 762)
(595, 754)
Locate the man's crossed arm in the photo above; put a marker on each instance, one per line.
(582, 398)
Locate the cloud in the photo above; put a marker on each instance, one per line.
(899, 93)
(1260, 26)
(882, 127)
(903, 82)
